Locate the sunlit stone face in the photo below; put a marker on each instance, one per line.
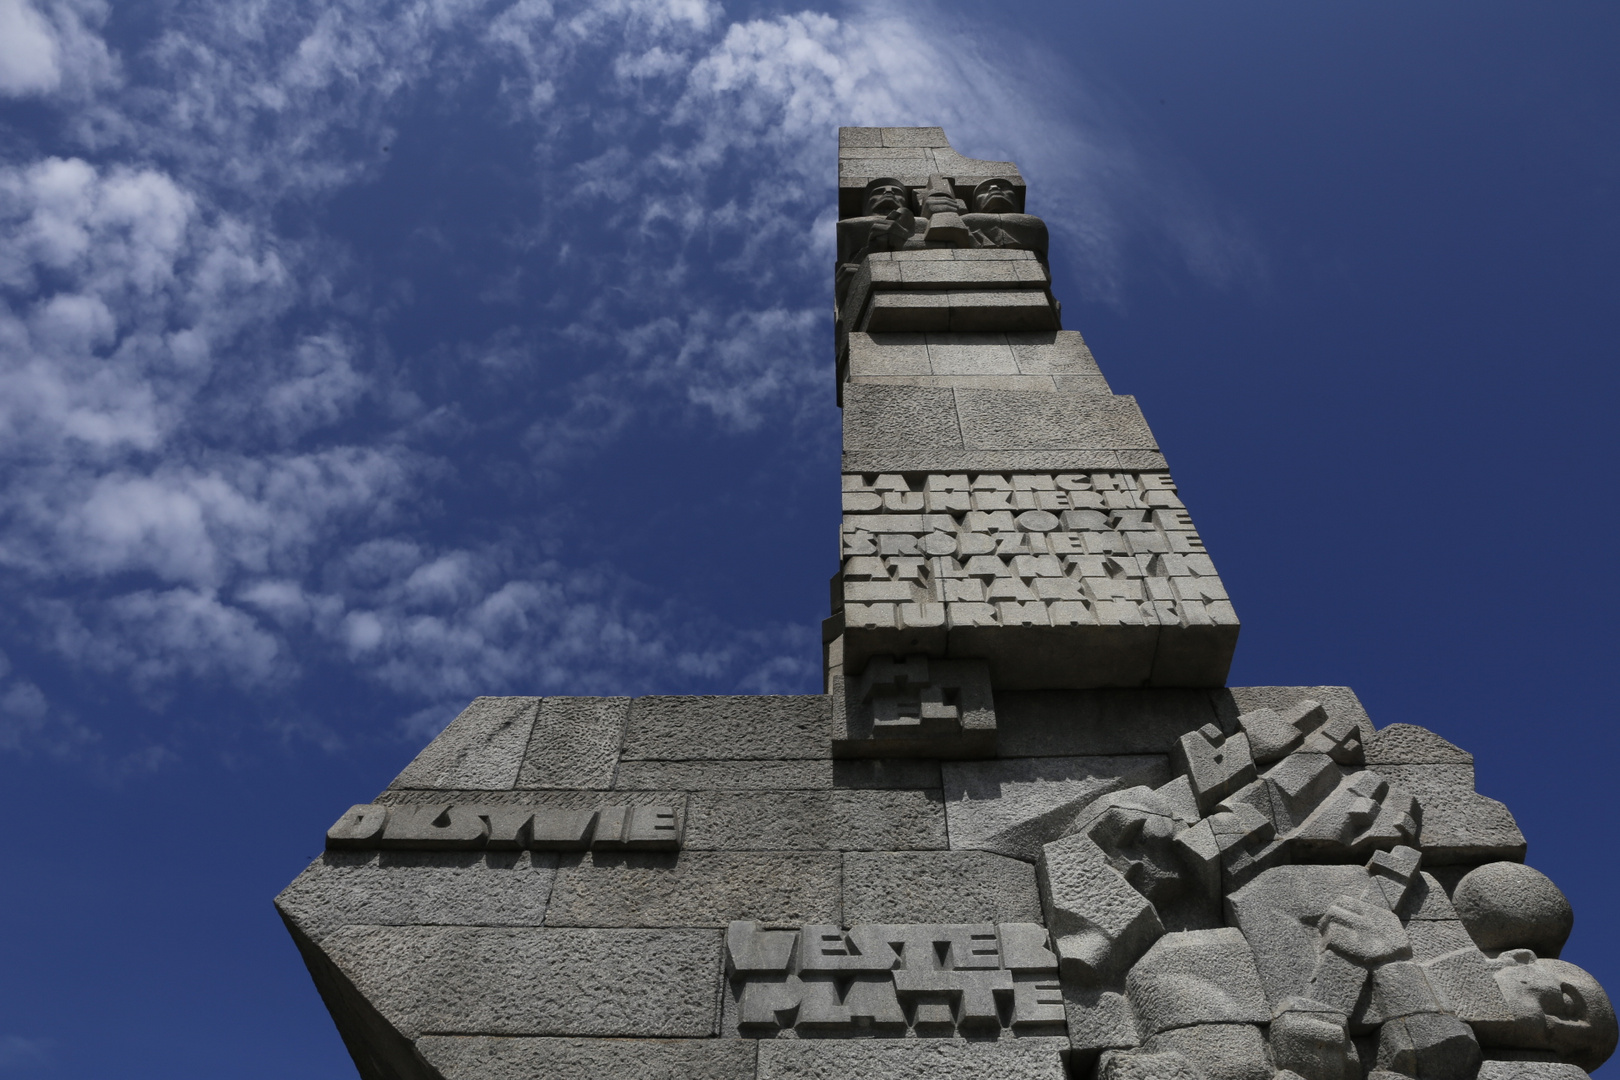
(886, 199)
(996, 197)
(1557, 1006)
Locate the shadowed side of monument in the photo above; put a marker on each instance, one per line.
(1026, 832)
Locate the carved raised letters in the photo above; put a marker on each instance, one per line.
(472, 827)
(1007, 549)
(945, 979)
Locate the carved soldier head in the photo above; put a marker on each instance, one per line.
(995, 196)
(1556, 1006)
(886, 195)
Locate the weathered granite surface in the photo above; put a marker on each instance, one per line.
(1027, 834)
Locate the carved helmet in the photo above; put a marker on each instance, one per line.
(884, 182)
(985, 186)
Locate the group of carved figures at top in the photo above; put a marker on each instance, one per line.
(1266, 913)
(898, 218)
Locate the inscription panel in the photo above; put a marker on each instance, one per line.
(932, 980)
(1024, 549)
(472, 827)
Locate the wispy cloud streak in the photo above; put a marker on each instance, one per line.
(233, 408)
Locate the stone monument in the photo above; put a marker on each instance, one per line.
(1026, 832)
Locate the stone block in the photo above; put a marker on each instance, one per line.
(1014, 806)
(1297, 785)
(726, 728)
(937, 887)
(910, 169)
(788, 775)
(1395, 872)
(888, 354)
(1214, 763)
(575, 743)
(696, 888)
(1195, 655)
(1219, 1051)
(1100, 924)
(900, 417)
(900, 312)
(343, 888)
(1408, 744)
(479, 1057)
(1001, 309)
(938, 460)
(481, 749)
(378, 1048)
(1529, 1070)
(1274, 734)
(520, 981)
(1003, 420)
(1459, 825)
(1507, 905)
(1196, 977)
(549, 799)
(1100, 1017)
(1313, 1041)
(970, 354)
(1081, 384)
(1400, 989)
(852, 137)
(838, 820)
(885, 773)
(912, 1059)
(1465, 982)
(1436, 937)
(1063, 723)
(1140, 1065)
(1429, 1047)
(970, 275)
(1338, 702)
(1364, 813)
(1028, 383)
(1078, 655)
(911, 136)
(1053, 352)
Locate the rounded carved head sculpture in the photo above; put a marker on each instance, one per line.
(885, 195)
(1556, 1006)
(995, 196)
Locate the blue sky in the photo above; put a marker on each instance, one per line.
(357, 359)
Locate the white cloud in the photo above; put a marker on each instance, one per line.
(214, 467)
(30, 60)
(53, 48)
(20, 1052)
